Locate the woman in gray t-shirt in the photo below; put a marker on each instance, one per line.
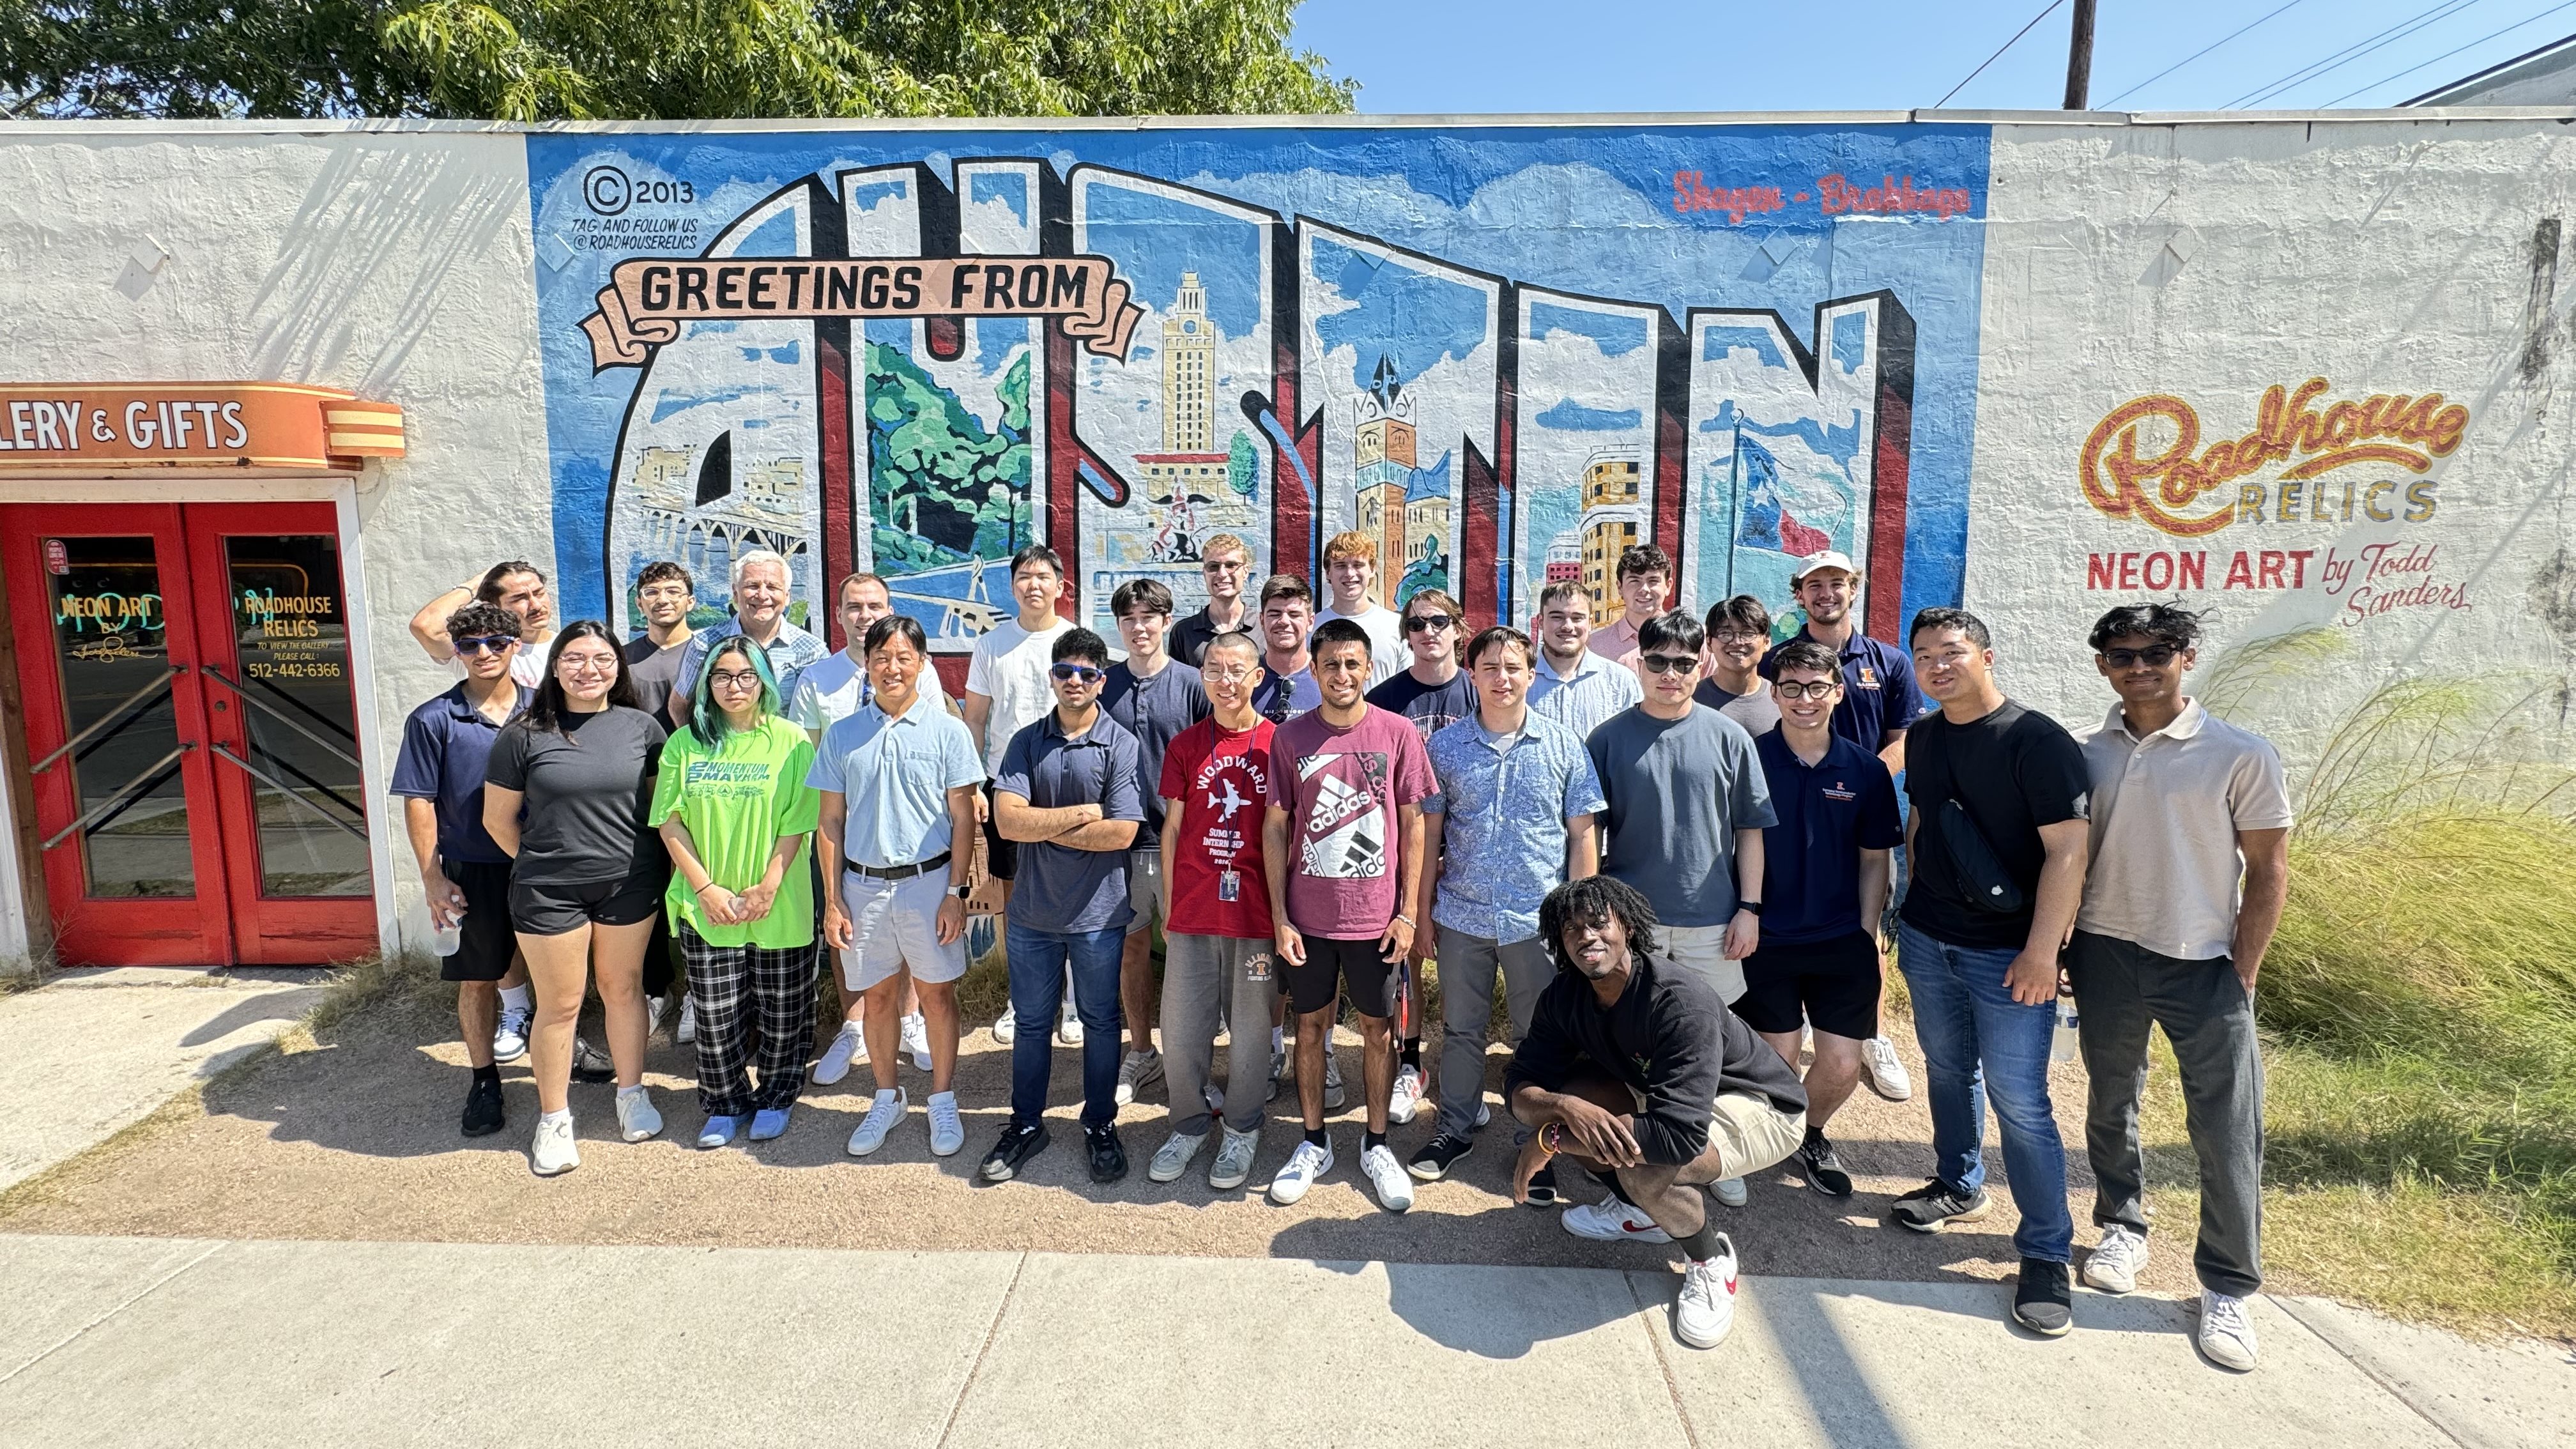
(567, 793)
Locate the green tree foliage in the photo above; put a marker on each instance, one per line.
(942, 487)
(1240, 462)
(544, 60)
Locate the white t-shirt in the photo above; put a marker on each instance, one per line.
(832, 688)
(1010, 669)
(1389, 654)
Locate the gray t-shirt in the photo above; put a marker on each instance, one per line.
(1154, 709)
(589, 789)
(1757, 711)
(1678, 790)
(653, 670)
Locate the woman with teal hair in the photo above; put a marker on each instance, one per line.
(733, 807)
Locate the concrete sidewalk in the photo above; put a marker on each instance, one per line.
(169, 1341)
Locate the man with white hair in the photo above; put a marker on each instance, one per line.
(761, 591)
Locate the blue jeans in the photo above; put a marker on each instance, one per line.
(1037, 963)
(1978, 1041)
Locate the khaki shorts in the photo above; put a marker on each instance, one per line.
(1703, 949)
(1146, 895)
(1749, 1134)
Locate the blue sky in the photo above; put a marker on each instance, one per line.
(1457, 56)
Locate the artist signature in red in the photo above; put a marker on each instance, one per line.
(1834, 193)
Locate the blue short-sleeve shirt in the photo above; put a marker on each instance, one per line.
(1504, 800)
(445, 747)
(1062, 890)
(1829, 812)
(894, 774)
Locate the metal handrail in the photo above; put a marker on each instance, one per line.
(279, 715)
(272, 782)
(123, 796)
(117, 715)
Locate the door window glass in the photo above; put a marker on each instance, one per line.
(291, 645)
(110, 646)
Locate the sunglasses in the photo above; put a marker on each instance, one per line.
(1083, 672)
(2154, 656)
(492, 645)
(1427, 623)
(1669, 663)
(1220, 566)
(1819, 689)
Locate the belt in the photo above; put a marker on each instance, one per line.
(896, 872)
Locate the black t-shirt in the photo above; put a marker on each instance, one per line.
(653, 671)
(1431, 707)
(2013, 771)
(1191, 636)
(1668, 1037)
(589, 789)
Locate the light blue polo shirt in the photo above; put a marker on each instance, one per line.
(894, 774)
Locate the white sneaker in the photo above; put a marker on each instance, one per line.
(1173, 1158)
(1613, 1221)
(947, 1133)
(687, 1031)
(916, 1040)
(553, 1151)
(1406, 1099)
(637, 1118)
(1136, 1071)
(1068, 1025)
(884, 1114)
(1705, 1308)
(653, 1006)
(2116, 1261)
(1007, 1026)
(510, 1037)
(849, 1047)
(1885, 1073)
(2226, 1333)
(1303, 1166)
(1730, 1191)
(1394, 1185)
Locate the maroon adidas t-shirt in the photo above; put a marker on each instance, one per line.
(1222, 779)
(1341, 789)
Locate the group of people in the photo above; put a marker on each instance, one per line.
(1672, 841)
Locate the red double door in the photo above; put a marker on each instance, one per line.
(192, 732)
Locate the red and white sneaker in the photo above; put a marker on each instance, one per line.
(1705, 1308)
(1613, 1221)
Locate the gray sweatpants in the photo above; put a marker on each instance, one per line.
(2122, 987)
(1195, 970)
(1467, 967)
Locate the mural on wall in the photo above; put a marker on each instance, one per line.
(1503, 355)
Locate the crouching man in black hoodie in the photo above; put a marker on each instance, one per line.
(1634, 1069)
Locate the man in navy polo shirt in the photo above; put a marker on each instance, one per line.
(1068, 794)
(1824, 887)
(464, 872)
(1880, 698)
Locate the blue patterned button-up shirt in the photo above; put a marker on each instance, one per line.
(1505, 799)
(1597, 689)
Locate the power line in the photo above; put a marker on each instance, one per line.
(2355, 51)
(1998, 55)
(2446, 55)
(2195, 55)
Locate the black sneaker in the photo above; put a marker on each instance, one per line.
(1824, 1171)
(1108, 1155)
(1019, 1142)
(1542, 1188)
(2044, 1303)
(1927, 1207)
(483, 1115)
(1432, 1163)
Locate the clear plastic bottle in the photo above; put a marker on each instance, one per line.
(2062, 1042)
(447, 939)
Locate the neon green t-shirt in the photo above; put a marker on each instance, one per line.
(737, 801)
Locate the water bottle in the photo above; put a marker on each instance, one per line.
(2062, 1042)
(447, 939)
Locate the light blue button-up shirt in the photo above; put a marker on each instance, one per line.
(1596, 690)
(1506, 799)
(894, 774)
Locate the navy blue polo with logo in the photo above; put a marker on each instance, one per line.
(1829, 813)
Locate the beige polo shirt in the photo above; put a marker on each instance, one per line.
(2166, 873)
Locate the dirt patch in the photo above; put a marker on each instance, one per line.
(355, 1138)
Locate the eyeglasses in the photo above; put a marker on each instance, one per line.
(1668, 663)
(490, 645)
(1084, 672)
(1737, 641)
(734, 679)
(1819, 689)
(587, 666)
(1225, 676)
(2154, 656)
(1428, 623)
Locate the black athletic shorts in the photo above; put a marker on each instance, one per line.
(555, 910)
(487, 942)
(1001, 857)
(1329, 965)
(1832, 984)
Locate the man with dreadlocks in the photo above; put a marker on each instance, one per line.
(1634, 1069)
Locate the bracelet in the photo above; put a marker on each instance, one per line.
(709, 886)
(1547, 1139)
(1408, 920)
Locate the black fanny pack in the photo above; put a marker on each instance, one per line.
(1982, 877)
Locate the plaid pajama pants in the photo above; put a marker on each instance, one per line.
(755, 1006)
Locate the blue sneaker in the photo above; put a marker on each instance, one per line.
(719, 1132)
(767, 1123)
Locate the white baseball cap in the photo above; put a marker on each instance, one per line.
(1829, 559)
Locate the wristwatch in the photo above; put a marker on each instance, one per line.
(964, 892)
(1755, 907)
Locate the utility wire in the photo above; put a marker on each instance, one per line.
(2195, 55)
(2446, 55)
(2355, 51)
(1999, 53)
